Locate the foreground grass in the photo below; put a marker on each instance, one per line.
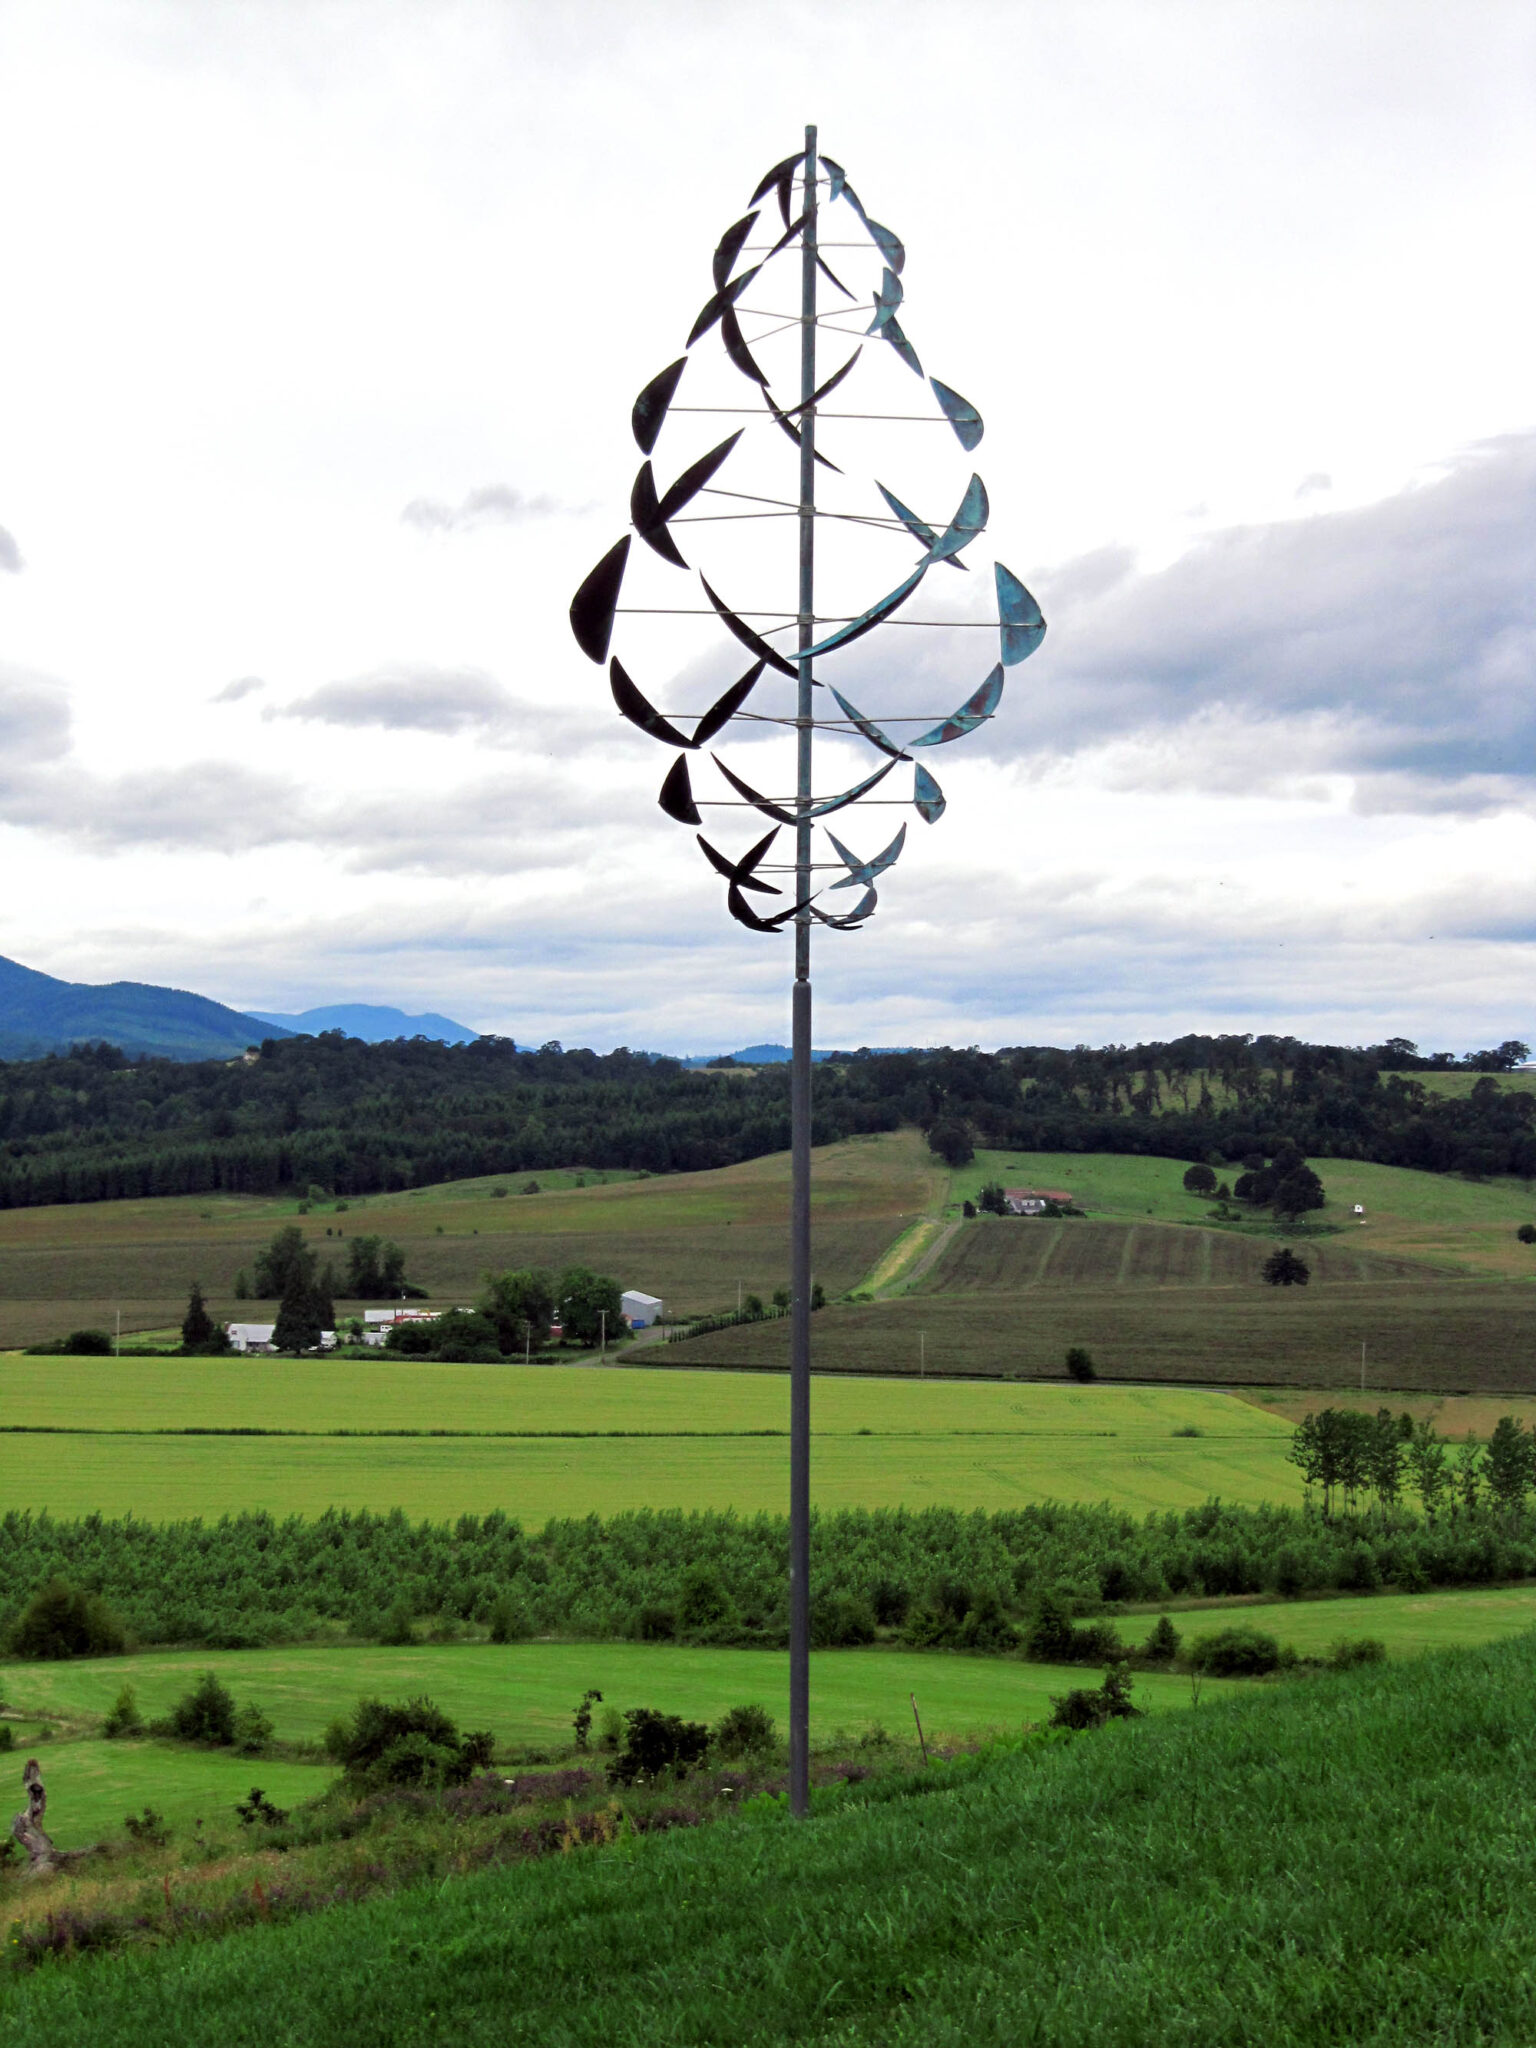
(1338, 1860)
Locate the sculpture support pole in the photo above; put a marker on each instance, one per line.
(800, 1075)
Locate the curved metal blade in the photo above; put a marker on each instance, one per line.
(892, 332)
(783, 420)
(969, 520)
(593, 606)
(744, 633)
(726, 707)
(849, 796)
(728, 248)
(736, 347)
(1021, 619)
(821, 391)
(676, 797)
(741, 872)
(973, 712)
(960, 413)
(645, 516)
(695, 477)
(771, 178)
(639, 709)
(868, 728)
(650, 408)
(928, 797)
(865, 871)
(867, 621)
(918, 528)
(862, 909)
(713, 308)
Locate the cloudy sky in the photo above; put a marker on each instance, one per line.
(322, 324)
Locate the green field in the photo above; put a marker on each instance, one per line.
(1340, 1860)
(1407, 1623)
(92, 1785)
(877, 1444)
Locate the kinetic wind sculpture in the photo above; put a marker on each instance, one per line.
(803, 186)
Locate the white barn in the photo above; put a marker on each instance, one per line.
(641, 1310)
(249, 1337)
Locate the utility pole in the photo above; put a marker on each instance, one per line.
(602, 1317)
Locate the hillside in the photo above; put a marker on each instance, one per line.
(373, 1023)
(1340, 1859)
(40, 1014)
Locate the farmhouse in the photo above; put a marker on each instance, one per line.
(640, 1311)
(1032, 1201)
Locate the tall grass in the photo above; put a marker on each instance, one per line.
(1342, 1860)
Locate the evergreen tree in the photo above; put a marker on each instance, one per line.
(197, 1326)
(287, 1259)
(298, 1326)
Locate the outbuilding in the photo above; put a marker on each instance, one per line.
(257, 1337)
(639, 1310)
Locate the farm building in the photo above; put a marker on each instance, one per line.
(378, 1322)
(257, 1337)
(1032, 1201)
(640, 1311)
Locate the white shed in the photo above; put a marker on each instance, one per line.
(641, 1310)
(247, 1337)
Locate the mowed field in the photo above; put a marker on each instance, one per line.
(135, 1437)
(692, 1238)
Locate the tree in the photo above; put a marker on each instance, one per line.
(584, 1296)
(521, 1304)
(197, 1326)
(62, 1621)
(298, 1323)
(1425, 1456)
(285, 1258)
(375, 1269)
(1508, 1463)
(1284, 1268)
(1467, 1479)
(1199, 1180)
(1080, 1364)
(1527, 1233)
(1384, 1458)
(992, 1201)
(951, 1140)
(1300, 1191)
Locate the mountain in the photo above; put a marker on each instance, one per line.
(40, 1014)
(772, 1055)
(371, 1022)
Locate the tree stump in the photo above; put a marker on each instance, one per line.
(28, 1828)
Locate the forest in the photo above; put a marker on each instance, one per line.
(333, 1113)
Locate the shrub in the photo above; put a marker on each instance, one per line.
(744, 1731)
(257, 1807)
(702, 1606)
(1350, 1651)
(206, 1713)
(890, 1600)
(78, 1344)
(1240, 1652)
(1048, 1637)
(610, 1726)
(655, 1624)
(61, 1621)
(581, 1726)
(399, 1626)
(1283, 1268)
(1527, 1233)
(841, 1621)
(253, 1729)
(655, 1743)
(510, 1620)
(147, 1828)
(7, 1737)
(1091, 1707)
(123, 1716)
(1080, 1364)
(412, 1743)
(1162, 1645)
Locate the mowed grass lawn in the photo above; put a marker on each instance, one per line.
(91, 1785)
(699, 1440)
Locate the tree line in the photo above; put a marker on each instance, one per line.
(334, 1114)
(1357, 1460)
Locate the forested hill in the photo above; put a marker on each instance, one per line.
(358, 1119)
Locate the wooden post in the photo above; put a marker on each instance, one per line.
(28, 1828)
(917, 1717)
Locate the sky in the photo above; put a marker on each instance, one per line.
(323, 323)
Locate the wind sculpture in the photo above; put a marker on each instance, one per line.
(805, 188)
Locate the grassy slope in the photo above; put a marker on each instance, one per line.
(1342, 1860)
(688, 1237)
(92, 1784)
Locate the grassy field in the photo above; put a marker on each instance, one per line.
(1408, 1624)
(691, 1238)
(877, 1444)
(1466, 1336)
(1341, 1860)
(1462, 1225)
(92, 1785)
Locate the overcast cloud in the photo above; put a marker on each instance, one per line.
(1259, 433)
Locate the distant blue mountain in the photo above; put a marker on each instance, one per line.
(40, 1014)
(371, 1022)
(772, 1055)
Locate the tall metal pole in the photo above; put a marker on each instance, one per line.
(800, 1074)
